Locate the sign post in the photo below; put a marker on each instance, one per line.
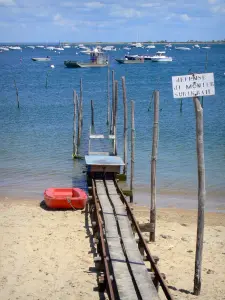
(195, 85)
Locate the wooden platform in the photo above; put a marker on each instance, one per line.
(132, 278)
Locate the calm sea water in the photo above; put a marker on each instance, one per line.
(36, 140)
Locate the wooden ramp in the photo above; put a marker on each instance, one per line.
(132, 278)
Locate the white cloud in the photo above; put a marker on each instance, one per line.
(94, 4)
(218, 8)
(185, 17)
(212, 1)
(7, 3)
(119, 11)
(146, 5)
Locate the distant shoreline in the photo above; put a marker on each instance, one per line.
(115, 43)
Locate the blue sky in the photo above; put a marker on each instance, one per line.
(111, 20)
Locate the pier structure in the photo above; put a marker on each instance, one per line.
(126, 268)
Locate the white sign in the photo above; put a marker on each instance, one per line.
(193, 85)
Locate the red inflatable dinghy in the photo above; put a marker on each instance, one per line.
(65, 198)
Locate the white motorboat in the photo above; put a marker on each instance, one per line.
(161, 57)
(40, 46)
(168, 45)
(81, 46)
(197, 46)
(51, 48)
(126, 48)
(86, 51)
(109, 48)
(183, 48)
(150, 47)
(41, 58)
(206, 47)
(136, 45)
(58, 48)
(66, 46)
(15, 48)
(4, 49)
(31, 47)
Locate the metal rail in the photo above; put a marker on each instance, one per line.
(96, 210)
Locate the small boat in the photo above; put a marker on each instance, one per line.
(51, 48)
(150, 47)
(97, 59)
(132, 57)
(206, 47)
(41, 58)
(168, 45)
(197, 46)
(147, 57)
(15, 48)
(127, 48)
(4, 48)
(40, 46)
(161, 57)
(58, 48)
(66, 46)
(65, 198)
(183, 48)
(138, 60)
(31, 47)
(109, 48)
(136, 45)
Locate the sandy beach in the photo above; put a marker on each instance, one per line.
(48, 255)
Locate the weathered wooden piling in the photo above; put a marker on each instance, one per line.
(81, 102)
(17, 94)
(108, 96)
(92, 114)
(124, 126)
(74, 125)
(79, 122)
(153, 167)
(132, 150)
(115, 114)
(113, 101)
(201, 195)
(181, 105)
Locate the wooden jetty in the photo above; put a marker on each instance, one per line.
(122, 270)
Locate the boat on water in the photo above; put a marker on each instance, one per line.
(127, 48)
(197, 46)
(206, 47)
(15, 48)
(109, 48)
(51, 48)
(183, 48)
(66, 46)
(150, 47)
(168, 45)
(67, 198)
(125, 60)
(41, 58)
(136, 45)
(4, 49)
(31, 47)
(97, 60)
(58, 48)
(131, 57)
(40, 46)
(161, 57)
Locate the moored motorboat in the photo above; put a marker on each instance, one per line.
(183, 48)
(161, 57)
(15, 48)
(97, 59)
(138, 60)
(41, 58)
(65, 198)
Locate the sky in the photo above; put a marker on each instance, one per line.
(111, 20)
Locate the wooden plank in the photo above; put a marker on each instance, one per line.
(121, 272)
(144, 282)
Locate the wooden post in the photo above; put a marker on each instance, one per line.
(125, 126)
(74, 125)
(81, 102)
(115, 113)
(181, 105)
(113, 100)
(108, 97)
(79, 122)
(201, 195)
(92, 114)
(17, 94)
(153, 167)
(132, 151)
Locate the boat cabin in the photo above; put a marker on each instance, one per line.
(97, 57)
